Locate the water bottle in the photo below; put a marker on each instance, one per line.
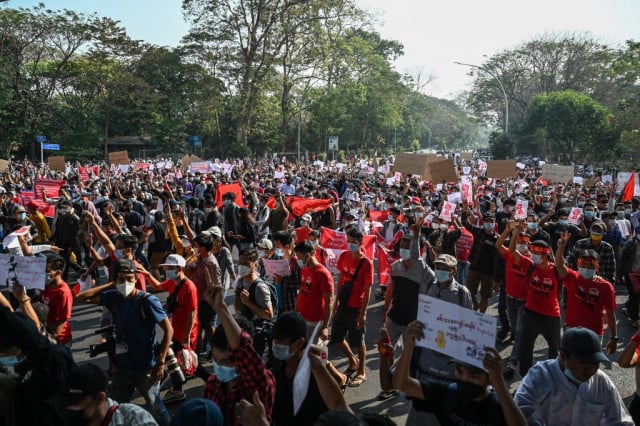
(324, 348)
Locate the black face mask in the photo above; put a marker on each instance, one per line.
(469, 391)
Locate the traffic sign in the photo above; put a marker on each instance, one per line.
(51, 146)
(41, 138)
(195, 140)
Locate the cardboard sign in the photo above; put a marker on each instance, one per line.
(574, 215)
(57, 163)
(501, 169)
(28, 271)
(3, 165)
(467, 156)
(521, 209)
(276, 267)
(442, 171)
(455, 331)
(415, 164)
(119, 157)
(557, 174)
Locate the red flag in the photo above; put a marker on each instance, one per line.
(378, 215)
(271, 203)
(231, 187)
(629, 188)
(384, 266)
(300, 206)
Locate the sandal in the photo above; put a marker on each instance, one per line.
(384, 395)
(350, 371)
(343, 386)
(357, 381)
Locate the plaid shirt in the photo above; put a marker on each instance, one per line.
(252, 375)
(607, 261)
(290, 287)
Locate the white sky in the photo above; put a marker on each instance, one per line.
(434, 33)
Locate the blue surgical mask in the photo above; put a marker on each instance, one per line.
(522, 248)
(10, 361)
(48, 278)
(171, 274)
(22, 216)
(405, 254)
(301, 263)
(546, 205)
(223, 373)
(354, 248)
(532, 226)
(442, 276)
(119, 254)
(281, 352)
(563, 222)
(418, 215)
(587, 273)
(489, 226)
(243, 270)
(314, 242)
(589, 214)
(537, 259)
(620, 214)
(280, 252)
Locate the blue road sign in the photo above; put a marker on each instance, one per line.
(195, 140)
(41, 138)
(51, 146)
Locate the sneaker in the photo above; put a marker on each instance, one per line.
(171, 397)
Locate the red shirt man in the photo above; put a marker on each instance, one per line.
(59, 299)
(316, 287)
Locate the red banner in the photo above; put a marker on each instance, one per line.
(51, 187)
(28, 197)
(231, 187)
(384, 266)
(300, 206)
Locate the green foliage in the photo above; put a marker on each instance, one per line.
(415, 145)
(573, 124)
(501, 146)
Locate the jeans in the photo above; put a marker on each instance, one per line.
(463, 272)
(534, 324)
(125, 382)
(632, 302)
(515, 311)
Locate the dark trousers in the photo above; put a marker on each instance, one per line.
(502, 308)
(634, 409)
(632, 302)
(533, 325)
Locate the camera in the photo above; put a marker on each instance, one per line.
(177, 376)
(108, 346)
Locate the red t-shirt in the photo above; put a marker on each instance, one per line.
(347, 267)
(302, 234)
(187, 303)
(314, 284)
(141, 281)
(463, 245)
(515, 277)
(542, 289)
(60, 302)
(586, 300)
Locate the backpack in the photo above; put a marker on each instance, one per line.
(273, 295)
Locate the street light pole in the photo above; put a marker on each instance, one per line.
(504, 92)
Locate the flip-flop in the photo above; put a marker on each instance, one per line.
(384, 395)
(343, 386)
(357, 381)
(350, 371)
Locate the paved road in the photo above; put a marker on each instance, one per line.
(362, 399)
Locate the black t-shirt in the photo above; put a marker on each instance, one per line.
(444, 402)
(312, 405)
(405, 300)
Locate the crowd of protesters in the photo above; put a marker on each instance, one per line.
(117, 236)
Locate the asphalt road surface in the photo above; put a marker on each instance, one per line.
(85, 320)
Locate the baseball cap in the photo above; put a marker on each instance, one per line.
(126, 266)
(291, 325)
(215, 232)
(306, 217)
(415, 200)
(265, 243)
(84, 380)
(20, 209)
(174, 260)
(584, 344)
(447, 260)
(198, 411)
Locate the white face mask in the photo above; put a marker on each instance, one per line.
(244, 270)
(261, 253)
(125, 288)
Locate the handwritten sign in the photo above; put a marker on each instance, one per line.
(28, 271)
(521, 209)
(442, 171)
(119, 157)
(455, 331)
(447, 210)
(574, 215)
(57, 163)
(276, 267)
(454, 197)
(51, 187)
(557, 174)
(466, 189)
(415, 164)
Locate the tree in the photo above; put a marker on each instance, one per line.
(572, 123)
(500, 146)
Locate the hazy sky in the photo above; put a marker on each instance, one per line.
(434, 33)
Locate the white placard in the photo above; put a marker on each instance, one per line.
(466, 189)
(607, 179)
(447, 210)
(85, 284)
(390, 181)
(466, 170)
(455, 331)
(454, 197)
(574, 215)
(278, 175)
(578, 180)
(303, 374)
(276, 267)
(521, 209)
(520, 166)
(28, 271)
